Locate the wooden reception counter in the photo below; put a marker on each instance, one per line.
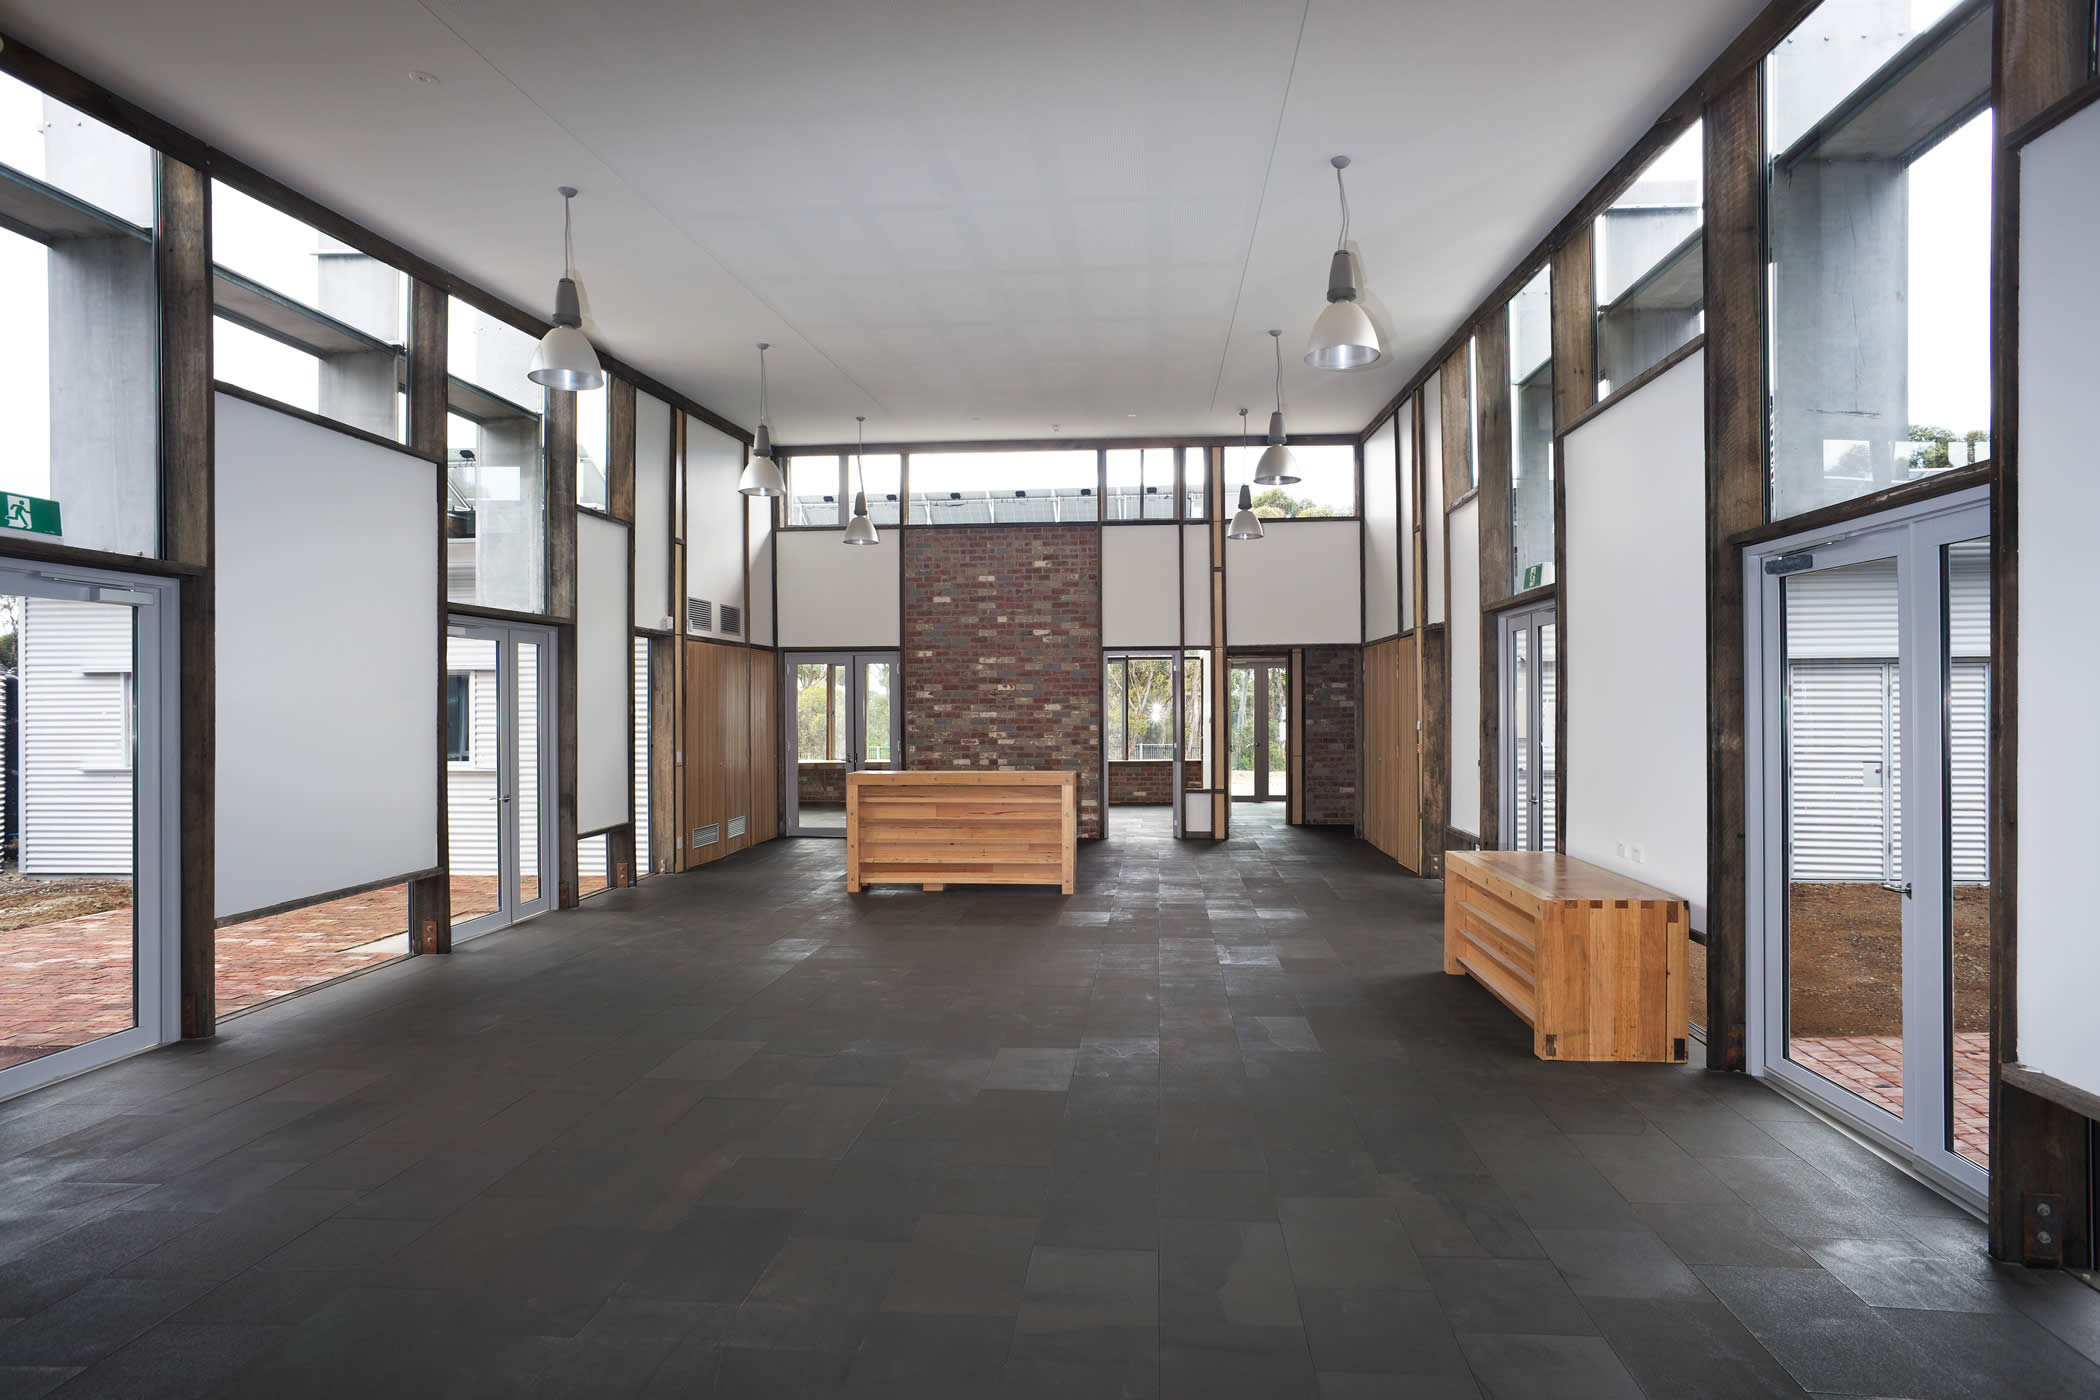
(935, 829)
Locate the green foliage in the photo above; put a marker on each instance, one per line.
(1937, 457)
(1279, 504)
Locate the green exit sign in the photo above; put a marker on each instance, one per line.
(1534, 575)
(31, 513)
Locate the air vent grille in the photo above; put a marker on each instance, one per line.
(736, 826)
(699, 615)
(706, 835)
(732, 620)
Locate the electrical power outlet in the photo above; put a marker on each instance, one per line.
(1622, 850)
(1640, 857)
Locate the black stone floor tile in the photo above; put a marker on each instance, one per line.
(1506, 1296)
(1690, 1350)
(1527, 1366)
(1227, 1285)
(1373, 1330)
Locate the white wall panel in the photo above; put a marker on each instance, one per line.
(760, 626)
(1382, 531)
(2059, 669)
(1299, 586)
(327, 660)
(1195, 585)
(604, 704)
(1432, 397)
(714, 521)
(1140, 582)
(652, 512)
(1464, 635)
(1405, 434)
(836, 596)
(1636, 616)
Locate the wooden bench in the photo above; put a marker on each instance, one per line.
(935, 829)
(1593, 962)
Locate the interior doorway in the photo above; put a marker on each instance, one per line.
(88, 900)
(1530, 694)
(1868, 738)
(840, 719)
(1258, 702)
(499, 759)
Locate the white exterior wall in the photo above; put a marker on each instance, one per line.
(641, 757)
(74, 660)
(470, 787)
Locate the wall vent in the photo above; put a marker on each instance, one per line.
(732, 620)
(699, 615)
(706, 835)
(736, 826)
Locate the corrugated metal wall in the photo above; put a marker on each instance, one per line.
(74, 660)
(641, 757)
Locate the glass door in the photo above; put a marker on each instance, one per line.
(1258, 703)
(499, 755)
(1870, 878)
(840, 719)
(87, 901)
(1530, 690)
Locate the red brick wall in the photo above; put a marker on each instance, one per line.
(1149, 784)
(1002, 652)
(1330, 736)
(820, 781)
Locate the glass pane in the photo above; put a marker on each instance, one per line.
(1141, 483)
(1195, 483)
(1549, 696)
(592, 857)
(1278, 735)
(820, 769)
(528, 803)
(1327, 484)
(1531, 432)
(496, 478)
(1844, 908)
(1195, 733)
(884, 477)
(68, 942)
(875, 707)
(593, 449)
(1114, 699)
(80, 392)
(274, 956)
(1151, 719)
(1473, 411)
(1967, 572)
(998, 488)
(1519, 743)
(813, 491)
(473, 795)
(1879, 193)
(1240, 734)
(1650, 269)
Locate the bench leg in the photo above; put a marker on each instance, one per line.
(933, 889)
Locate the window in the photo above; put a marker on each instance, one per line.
(813, 485)
(1326, 485)
(884, 474)
(1195, 483)
(1001, 488)
(594, 448)
(79, 381)
(1878, 192)
(821, 730)
(1141, 483)
(1650, 268)
(496, 485)
(459, 717)
(1472, 412)
(305, 319)
(1139, 721)
(1531, 432)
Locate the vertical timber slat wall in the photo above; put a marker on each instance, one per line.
(1432, 680)
(1492, 453)
(183, 255)
(429, 316)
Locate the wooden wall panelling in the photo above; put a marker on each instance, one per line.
(1574, 327)
(1434, 818)
(665, 737)
(1376, 781)
(765, 745)
(1735, 470)
(703, 770)
(430, 898)
(1406, 800)
(1458, 433)
(1493, 454)
(2043, 49)
(183, 263)
(729, 739)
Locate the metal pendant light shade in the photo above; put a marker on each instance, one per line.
(1246, 525)
(1277, 466)
(860, 529)
(762, 474)
(1343, 337)
(564, 358)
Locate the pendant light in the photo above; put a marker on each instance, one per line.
(1277, 466)
(762, 474)
(1343, 337)
(860, 529)
(1246, 525)
(564, 359)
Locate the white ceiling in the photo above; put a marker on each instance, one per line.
(964, 218)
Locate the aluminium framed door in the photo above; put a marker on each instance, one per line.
(500, 757)
(1530, 690)
(840, 717)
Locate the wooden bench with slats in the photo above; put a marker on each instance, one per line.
(935, 829)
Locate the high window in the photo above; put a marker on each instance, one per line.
(496, 481)
(1650, 265)
(821, 487)
(594, 448)
(1139, 717)
(1004, 488)
(1531, 432)
(1141, 483)
(79, 377)
(1326, 485)
(1878, 205)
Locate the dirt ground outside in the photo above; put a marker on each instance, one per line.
(26, 902)
(1844, 945)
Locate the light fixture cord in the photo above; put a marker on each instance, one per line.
(1343, 190)
(568, 241)
(761, 384)
(1278, 343)
(860, 446)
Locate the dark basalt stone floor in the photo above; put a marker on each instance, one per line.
(1215, 1126)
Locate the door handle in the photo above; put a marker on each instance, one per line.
(1902, 889)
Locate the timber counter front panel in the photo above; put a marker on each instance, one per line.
(1593, 962)
(935, 829)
